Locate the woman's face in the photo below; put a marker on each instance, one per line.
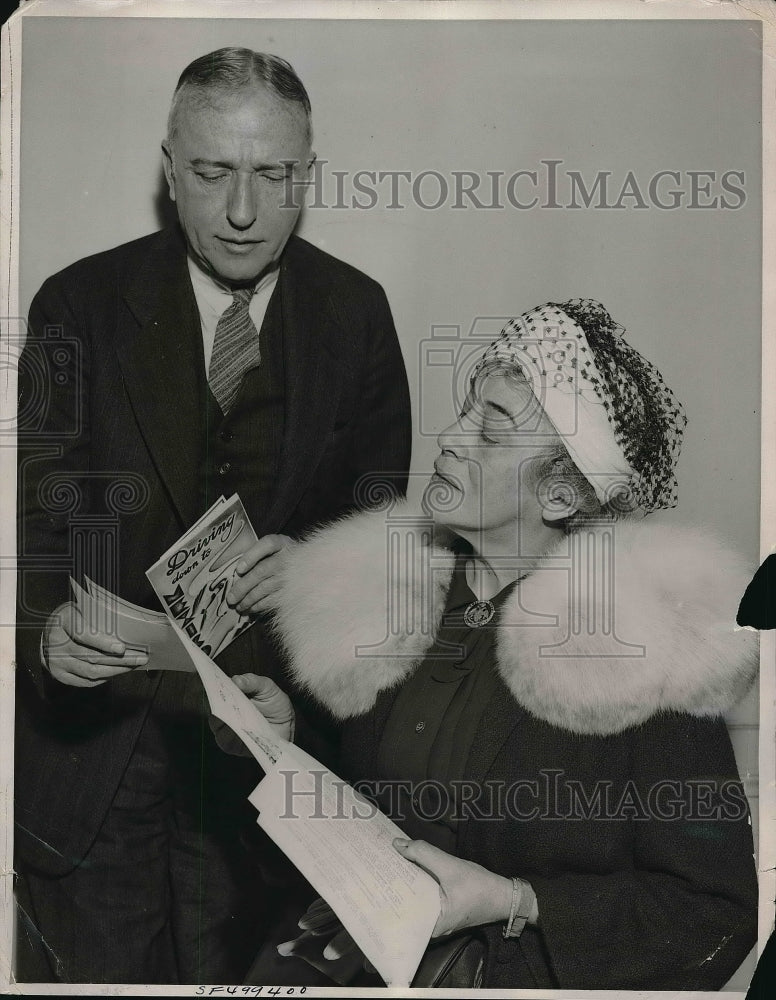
(481, 486)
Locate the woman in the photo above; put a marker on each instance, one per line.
(545, 720)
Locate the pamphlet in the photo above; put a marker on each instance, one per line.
(192, 577)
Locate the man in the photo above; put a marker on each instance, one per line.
(224, 356)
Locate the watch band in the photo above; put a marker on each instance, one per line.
(520, 909)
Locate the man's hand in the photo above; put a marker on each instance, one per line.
(469, 895)
(81, 657)
(270, 700)
(258, 575)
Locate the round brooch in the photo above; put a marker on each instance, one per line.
(478, 613)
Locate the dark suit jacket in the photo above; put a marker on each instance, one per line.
(112, 405)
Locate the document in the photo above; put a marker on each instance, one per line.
(231, 706)
(339, 841)
(343, 845)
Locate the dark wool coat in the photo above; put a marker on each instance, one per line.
(622, 804)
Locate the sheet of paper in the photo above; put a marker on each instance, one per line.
(152, 634)
(133, 610)
(230, 705)
(388, 905)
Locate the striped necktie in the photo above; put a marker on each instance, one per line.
(235, 349)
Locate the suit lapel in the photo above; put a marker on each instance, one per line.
(162, 360)
(311, 379)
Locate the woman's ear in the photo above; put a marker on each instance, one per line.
(558, 509)
(559, 499)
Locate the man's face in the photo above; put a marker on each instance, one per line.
(228, 173)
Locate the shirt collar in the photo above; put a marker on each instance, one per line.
(215, 295)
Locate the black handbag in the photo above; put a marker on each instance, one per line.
(457, 961)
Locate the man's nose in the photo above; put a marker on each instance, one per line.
(241, 209)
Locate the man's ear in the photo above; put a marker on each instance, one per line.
(169, 172)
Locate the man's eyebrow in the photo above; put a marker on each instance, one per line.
(200, 161)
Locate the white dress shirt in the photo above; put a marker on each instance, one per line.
(213, 299)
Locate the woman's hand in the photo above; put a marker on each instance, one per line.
(326, 945)
(258, 575)
(469, 894)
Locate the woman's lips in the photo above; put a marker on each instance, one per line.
(445, 478)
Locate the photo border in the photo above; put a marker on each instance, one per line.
(10, 56)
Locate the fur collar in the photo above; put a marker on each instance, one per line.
(674, 646)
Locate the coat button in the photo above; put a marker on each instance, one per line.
(224, 468)
(226, 435)
(419, 727)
